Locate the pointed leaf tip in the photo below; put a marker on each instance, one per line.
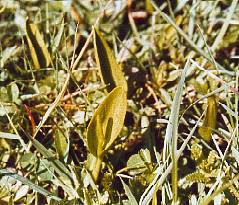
(111, 71)
(210, 119)
(38, 50)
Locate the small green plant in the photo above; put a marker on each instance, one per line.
(106, 125)
(108, 119)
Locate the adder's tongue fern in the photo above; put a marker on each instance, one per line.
(108, 119)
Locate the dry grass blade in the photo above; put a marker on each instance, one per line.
(225, 25)
(8, 136)
(147, 196)
(208, 199)
(15, 130)
(234, 90)
(171, 131)
(184, 35)
(129, 194)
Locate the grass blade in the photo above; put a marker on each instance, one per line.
(184, 35)
(8, 136)
(7, 54)
(58, 37)
(159, 180)
(129, 194)
(59, 167)
(171, 131)
(29, 183)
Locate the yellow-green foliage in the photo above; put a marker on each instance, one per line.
(111, 71)
(207, 167)
(209, 122)
(107, 122)
(196, 151)
(197, 177)
(234, 191)
(40, 56)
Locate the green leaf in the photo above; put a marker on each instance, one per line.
(26, 181)
(148, 6)
(45, 170)
(129, 194)
(107, 122)
(171, 136)
(209, 122)
(7, 54)
(58, 37)
(39, 52)
(13, 92)
(58, 166)
(29, 161)
(139, 163)
(111, 71)
(62, 144)
(200, 87)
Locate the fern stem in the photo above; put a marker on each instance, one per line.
(96, 170)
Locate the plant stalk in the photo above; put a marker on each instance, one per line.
(96, 170)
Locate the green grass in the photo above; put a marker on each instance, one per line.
(61, 134)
